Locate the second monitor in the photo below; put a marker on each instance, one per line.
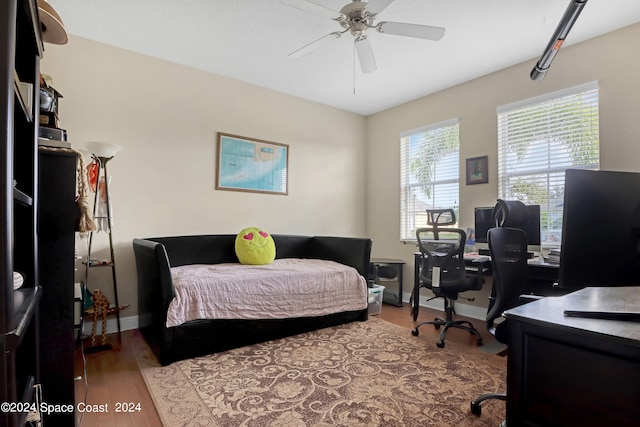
(484, 220)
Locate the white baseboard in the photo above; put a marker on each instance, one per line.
(462, 309)
(126, 324)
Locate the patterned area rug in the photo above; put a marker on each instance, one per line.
(370, 373)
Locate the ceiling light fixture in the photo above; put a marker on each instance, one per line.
(357, 17)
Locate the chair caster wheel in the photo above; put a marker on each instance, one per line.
(479, 342)
(435, 325)
(415, 332)
(476, 409)
(440, 344)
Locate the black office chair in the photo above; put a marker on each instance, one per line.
(442, 270)
(511, 287)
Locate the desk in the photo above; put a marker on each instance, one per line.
(542, 274)
(566, 371)
(397, 265)
(544, 278)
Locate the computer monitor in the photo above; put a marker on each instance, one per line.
(600, 229)
(484, 220)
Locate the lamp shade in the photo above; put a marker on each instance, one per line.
(102, 149)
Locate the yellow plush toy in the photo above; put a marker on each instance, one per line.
(255, 246)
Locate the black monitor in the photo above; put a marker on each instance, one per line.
(600, 229)
(484, 221)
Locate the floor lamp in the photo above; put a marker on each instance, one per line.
(102, 153)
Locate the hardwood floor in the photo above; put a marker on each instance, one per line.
(113, 379)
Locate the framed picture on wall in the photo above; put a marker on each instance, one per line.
(248, 164)
(477, 170)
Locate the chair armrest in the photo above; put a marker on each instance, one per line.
(479, 269)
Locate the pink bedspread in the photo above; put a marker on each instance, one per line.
(288, 287)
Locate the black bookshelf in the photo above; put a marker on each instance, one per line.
(20, 52)
(57, 220)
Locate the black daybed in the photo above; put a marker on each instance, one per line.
(156, 257)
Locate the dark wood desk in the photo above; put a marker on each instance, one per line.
(544, 278)
(566, 371)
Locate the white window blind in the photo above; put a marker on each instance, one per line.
(538, 139)
(429, 169)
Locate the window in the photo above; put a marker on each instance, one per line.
(430, 170)
(538, 139)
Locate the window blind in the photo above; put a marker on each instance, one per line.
(429, 173)
(538, 139)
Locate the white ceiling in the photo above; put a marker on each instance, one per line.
(249, 40)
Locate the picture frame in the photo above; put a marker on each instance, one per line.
(477, 170)
(470, 243)
(251, 165)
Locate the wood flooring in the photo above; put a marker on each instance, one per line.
(111, 378)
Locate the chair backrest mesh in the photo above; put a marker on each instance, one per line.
(508, 248)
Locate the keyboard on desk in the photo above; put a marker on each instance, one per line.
(473, 257)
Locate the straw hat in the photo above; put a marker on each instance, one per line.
(51, 24)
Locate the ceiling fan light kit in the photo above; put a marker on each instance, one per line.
(357, 17)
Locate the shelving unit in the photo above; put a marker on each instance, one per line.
(58, 216)
(20, 52)
(382, 268)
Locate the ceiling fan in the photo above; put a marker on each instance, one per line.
(358, 17)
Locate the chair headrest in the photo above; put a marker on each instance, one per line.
(510, 213)
(441, 217)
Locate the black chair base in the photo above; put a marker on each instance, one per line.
(476, 409)
(449, 323)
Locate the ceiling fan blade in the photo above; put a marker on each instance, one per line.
(310, 47)
(376, 6)
(411, 30)
(365, 54)
(312, 7)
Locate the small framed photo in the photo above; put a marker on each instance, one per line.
(477, 170)
(470, 244)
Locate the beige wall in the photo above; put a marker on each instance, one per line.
(163, 182)
(166, 116)
(610, 59)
